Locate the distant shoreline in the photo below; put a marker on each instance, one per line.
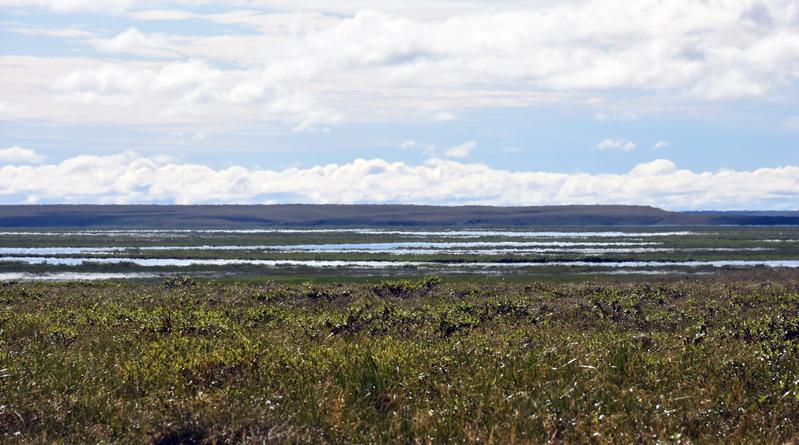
(375, 215)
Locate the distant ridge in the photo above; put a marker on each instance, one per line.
(310, 215)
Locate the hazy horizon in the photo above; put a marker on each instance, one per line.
(740, 211)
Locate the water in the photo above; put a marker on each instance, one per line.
(611, 252)
(181, 262)
(59, 250)
(397, 248)
(74, 276)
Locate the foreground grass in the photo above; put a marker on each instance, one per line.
(400, 362)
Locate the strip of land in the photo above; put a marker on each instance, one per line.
(307, 215)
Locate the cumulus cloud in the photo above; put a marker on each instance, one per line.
(131, 178)
(133, 41)
(337, 63)
(616, 144)
(186, 91)
(461, 151)
(658, 167)
(18, 155)
(114, 81)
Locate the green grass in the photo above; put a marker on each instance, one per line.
(713, 359)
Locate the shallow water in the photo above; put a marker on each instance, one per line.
(58, 250)
(406, 248)
(175, 262)
(74, 276)
(609, 245)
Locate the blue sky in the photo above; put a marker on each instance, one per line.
(680, 104)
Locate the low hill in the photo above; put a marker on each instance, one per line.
(248, 216)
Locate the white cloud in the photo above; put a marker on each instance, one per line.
(343, 63)
(461, 151)
(161, 14)
(419, 8)
(133, 41)
(730, 85)
(304, 109)
(131, 178)
(426, 149)
(18, 155)
(191, 91)
(69, 32)
(616, 144)
(103, 6)
(444, 116)
(658, 167)
(660, 145)
(185, 81)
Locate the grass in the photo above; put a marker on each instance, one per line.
(710, 359)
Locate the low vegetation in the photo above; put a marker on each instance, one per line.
(191, 361)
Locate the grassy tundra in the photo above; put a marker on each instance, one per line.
(700, 360)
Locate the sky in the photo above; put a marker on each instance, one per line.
(679, 104)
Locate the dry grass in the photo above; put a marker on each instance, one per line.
(182, 362)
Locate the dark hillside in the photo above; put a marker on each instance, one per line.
(151, 216)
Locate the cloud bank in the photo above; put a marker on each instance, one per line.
(132, 178)
(313, 64)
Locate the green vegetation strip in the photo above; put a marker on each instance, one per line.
(401, 361)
